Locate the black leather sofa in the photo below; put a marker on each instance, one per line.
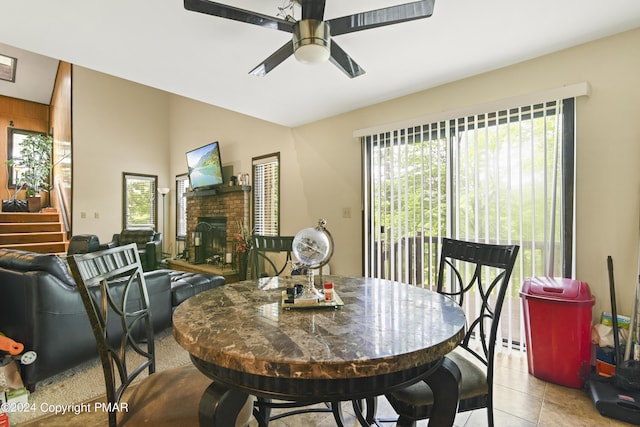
(41, 308)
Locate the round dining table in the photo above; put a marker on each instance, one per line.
(383, 335)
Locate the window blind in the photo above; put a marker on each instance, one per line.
(182, 183)
(266, 195)
(501, 176)
(140, 203)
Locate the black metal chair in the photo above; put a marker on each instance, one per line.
(479, 274)
(269, 255)
(114, 293)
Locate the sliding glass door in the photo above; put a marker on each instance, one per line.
(499, 177)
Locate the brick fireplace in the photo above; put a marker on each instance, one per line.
(207, 210)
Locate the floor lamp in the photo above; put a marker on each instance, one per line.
(164, 191)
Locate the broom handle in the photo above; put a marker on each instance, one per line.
(633, 328)
(614, 312)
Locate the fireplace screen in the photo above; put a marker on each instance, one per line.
(210, 240)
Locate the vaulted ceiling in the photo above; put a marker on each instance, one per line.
(206, 58)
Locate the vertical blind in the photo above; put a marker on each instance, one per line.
(266, 195)
(182, 183)
(502, 177)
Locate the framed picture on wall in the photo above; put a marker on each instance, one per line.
(8, 68)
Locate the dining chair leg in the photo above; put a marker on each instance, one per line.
(445, 384)
(369, 418)
(490, 421)
(262, 411)
(336, 408)
(405, 422)
(220, 405)
(372, 407)
(262, 422)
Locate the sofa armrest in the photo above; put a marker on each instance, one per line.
(152, 254)
(109, 245)
(115, 241)
(47, 316)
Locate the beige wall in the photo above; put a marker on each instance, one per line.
(321, 161)
(118, 126)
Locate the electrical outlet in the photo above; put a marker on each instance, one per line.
(346, 212)
(83, 215)
(96, 215)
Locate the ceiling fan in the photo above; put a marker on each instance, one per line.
(312, 42)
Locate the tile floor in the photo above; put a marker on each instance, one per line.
(521, 400)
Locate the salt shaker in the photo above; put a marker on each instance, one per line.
(328, 291)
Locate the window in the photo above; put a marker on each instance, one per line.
(182, 183)
(266, 195)
(140, 204)
(14, 146)
(499, 177)
(8, 68)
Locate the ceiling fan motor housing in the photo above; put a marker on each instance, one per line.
(311, 41)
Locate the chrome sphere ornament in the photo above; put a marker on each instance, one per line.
(313, 248)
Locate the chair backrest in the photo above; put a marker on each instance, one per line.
(114, 293)
(476, 276)
(138, 236)
(269, 255)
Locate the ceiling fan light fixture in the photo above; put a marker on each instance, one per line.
(311, 41)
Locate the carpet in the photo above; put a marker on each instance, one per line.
(86, 382)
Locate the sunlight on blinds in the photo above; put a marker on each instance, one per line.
(182, 183)
(140, 201)
(266, 202)
(496, 177)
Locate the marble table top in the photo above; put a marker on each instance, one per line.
(383, 327)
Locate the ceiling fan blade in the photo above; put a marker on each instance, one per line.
(381, 17)
(313, 9)
(274, 60)
(340, 59)
(237, 14)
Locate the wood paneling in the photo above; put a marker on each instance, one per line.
(62, 155)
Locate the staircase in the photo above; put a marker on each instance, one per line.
(41, 232)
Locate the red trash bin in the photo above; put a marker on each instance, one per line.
(557, 323)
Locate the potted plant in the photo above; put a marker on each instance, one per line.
(34, 167)
(242, 247)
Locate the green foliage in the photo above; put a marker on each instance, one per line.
(34, 164)
(140, 194)
(484, 180)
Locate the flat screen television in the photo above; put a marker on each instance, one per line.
(205, 168)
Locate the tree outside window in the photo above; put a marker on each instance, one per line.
(140, 204)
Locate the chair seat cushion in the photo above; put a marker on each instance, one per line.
(170, 398)
(473, 384)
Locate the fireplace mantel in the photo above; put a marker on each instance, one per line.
(218, 191)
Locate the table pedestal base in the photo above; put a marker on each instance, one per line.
(222, 406)
(445, 384)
